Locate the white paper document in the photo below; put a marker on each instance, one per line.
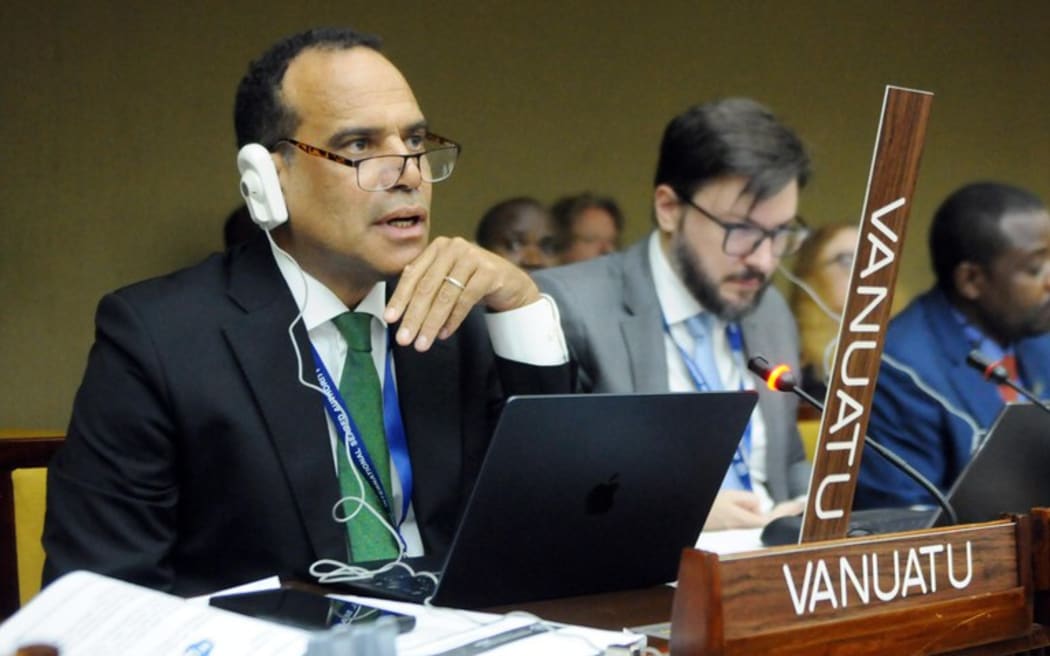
(451, 632)
(85, 614)
(731, 541)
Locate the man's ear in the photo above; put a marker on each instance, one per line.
(279, 163)
(969, 279)
(667, 209)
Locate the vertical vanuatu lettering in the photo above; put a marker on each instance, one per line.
(844, 433)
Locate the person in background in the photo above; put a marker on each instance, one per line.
(990, 249)
(684, 308)
(519, 230)
(823, 264)
(586, 226)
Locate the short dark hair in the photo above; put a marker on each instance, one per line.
(259, 113)
(732, 136)
(495, 217)
(966, 227)
(238, 227)
(565, 210)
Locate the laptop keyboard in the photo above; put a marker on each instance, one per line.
(785, 530)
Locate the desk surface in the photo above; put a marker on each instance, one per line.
(635, 608)
(618, 610)
(611, 610)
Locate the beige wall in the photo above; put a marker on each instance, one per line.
(117, 158)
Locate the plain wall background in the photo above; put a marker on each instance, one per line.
(118, 153)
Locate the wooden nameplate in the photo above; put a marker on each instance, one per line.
(923, 592)
(887, 203)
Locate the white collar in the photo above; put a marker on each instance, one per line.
(318, 303)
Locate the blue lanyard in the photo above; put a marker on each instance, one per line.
(356, 450)
(736, 344)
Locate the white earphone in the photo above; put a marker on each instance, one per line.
(260, 187)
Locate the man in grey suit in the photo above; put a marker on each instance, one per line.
(684, 308)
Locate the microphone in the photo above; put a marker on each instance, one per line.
(780, 378)
(994, 371)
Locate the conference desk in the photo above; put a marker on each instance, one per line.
(734, 603)
(611, 610)
(635, 608)
(729, 605)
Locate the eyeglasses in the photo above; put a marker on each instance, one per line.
(844, 260)
(743, 239)
(381, 172)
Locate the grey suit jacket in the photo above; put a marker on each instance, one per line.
(611, 317)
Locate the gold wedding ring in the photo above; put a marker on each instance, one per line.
(455, 283)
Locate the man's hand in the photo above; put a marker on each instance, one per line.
(735, 509)
(785, 509)
(449, 277)
(742, 509)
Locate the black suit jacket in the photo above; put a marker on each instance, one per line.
(195, 459)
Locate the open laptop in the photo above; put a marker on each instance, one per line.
(582, 494)
(1007, 474)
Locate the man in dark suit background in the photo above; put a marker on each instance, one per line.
(199, 454)
(724, 207)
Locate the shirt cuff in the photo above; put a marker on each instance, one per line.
(531, 334)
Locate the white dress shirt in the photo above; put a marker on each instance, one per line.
(531, 335)
(677, 305)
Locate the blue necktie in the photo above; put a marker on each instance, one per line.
(701, 328)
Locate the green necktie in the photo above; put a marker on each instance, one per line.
(359, 385)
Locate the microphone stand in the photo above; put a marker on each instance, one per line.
(785, 383)
(996, 372)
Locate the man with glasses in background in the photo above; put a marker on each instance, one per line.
(340, 367)
(684, 308)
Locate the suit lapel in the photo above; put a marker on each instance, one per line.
(645, 346)
(977, 396)
(773, 405)
(431, 401)
(1034, 356)
(293, 414)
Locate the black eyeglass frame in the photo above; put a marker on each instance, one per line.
(445, 145)
(798, 228)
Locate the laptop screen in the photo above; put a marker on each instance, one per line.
(581, 494)
(1008, 472)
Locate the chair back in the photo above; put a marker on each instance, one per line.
(24, 455)
(809, 430)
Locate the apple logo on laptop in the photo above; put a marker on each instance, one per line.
(600, 498)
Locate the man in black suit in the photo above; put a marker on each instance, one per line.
(199, 454)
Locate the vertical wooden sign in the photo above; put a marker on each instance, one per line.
(887, 203)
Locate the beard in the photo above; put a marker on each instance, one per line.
(1015, 325)
(705, 290)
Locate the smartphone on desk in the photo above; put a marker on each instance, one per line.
(306, 610)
